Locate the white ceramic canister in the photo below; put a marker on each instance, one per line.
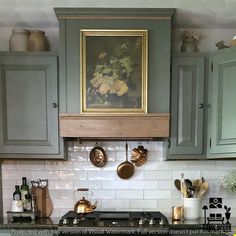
(37, 41)
(191, 208)
(18, 40)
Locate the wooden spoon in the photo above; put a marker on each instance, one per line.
(202, 190)
(178, 184)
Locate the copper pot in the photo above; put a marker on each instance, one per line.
(84, 205)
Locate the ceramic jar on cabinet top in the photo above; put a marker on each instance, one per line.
(37, 41)
(18, 40)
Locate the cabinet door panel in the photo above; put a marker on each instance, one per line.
(26, 99)
(29, 122)
(186, 110)
(222, 125)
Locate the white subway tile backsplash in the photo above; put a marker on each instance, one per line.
(59, 165)
(113, 184)
(155, 156)
(129, 194)
(15, 175)
(150, 188)
(66, 175)
(60, 184)
(213, 174)
(80, 175)
(29, 165)
(79, 156)
(9, 165)
(9, 183)
(101, 175)
(87, 166)
(165, 184)
(60, 203)
(91, 184)
(65, 194)
(147, 204)
(157, 194)
(143, 184)
(104, 194)
(201, 165)
(225, 165)
(150, 165)
(157, 175)
(115, 204)
(52, 175)
(171, 165)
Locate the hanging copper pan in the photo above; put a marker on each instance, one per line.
(98, 156)
(126, 169)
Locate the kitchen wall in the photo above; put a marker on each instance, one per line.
(151, 188)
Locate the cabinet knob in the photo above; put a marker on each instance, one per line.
(54, 105)
(200, 105)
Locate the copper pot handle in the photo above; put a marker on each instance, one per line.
(82, 189)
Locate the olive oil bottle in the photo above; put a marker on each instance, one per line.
(24, 191)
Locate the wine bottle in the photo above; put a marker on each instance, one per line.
(17, 193)
(24, 191)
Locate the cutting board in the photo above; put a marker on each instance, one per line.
(43, 201)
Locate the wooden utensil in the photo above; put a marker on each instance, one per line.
(126, 169)
(177, 184)
(202, 190)
(183, 186)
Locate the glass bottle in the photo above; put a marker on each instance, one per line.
(28, 202)
(17, 193)
(24, 192)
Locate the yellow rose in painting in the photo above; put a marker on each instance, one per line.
(97, 80)
(120, 87)
(104, 88)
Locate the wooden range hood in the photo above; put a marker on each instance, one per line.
(145, 126)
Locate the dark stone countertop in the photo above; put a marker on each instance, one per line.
(38, 223)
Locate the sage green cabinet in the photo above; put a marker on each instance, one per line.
(187, 107)
(28, 105)
(5, 232)
(222, 109)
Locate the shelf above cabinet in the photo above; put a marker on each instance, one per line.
(146, 126)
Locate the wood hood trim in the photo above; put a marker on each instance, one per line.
(138, 126)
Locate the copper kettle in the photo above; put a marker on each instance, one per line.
(83, 205)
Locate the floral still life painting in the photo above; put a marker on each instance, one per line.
(114, 71)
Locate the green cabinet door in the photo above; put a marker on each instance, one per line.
(28, 104)
(222, 109)
(187, 107)
(5, 232)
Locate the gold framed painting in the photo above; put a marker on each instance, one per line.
(113, 71)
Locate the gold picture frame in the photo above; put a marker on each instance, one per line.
(113, 71)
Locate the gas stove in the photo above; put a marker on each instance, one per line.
(107, 222)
